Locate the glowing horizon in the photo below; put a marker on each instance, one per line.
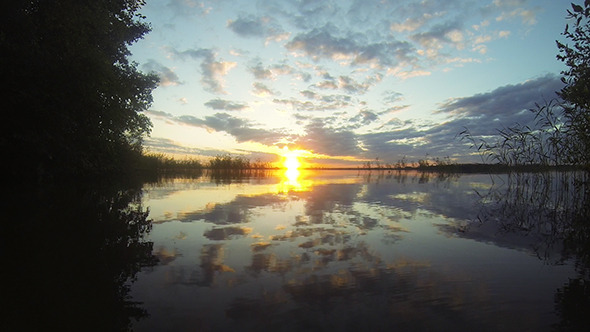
(345, 82)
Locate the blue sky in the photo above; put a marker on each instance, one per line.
(346, 81)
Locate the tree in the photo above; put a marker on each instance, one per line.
(576, 92)
(72, 101)
(577, 57)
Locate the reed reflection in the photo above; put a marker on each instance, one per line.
(550, 210)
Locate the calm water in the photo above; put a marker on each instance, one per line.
(338, 250)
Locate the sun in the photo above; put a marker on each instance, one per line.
(291, 161)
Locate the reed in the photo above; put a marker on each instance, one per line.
(553, 139)
(225, 162)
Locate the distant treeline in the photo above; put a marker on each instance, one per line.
(161, 162)
(449, 166)
(227, 163)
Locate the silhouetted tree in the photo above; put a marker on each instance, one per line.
(577, 79)
(72, 101)
(577, 57)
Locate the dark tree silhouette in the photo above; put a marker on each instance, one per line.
(577, 56)
(577, 79)
(71, 100)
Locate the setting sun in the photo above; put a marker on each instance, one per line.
(291, 161)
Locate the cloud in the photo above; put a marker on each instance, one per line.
(394, 109)
(242, 130)
(167, 76)
(220, 104)
(165, 145)
(404, 39)
(262, 27)
(348, 84)
(262, 90)
(341, 120)
(188, 7)
(528, 17)
(505, 102)
(365, 117)
(392, 96)
(385, 142)
(260, 72)
(319, 103)
(388, 34)
(411, 23)
(336, 134)
(212, 71)
(322, 139)
(273, 71)
(351, 86)
(414, 141)
(247, 27)
(447, 33)
(350, 48)
(331, 84)
(298, 104)
(482, 113)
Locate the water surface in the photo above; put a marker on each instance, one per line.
(337, 250)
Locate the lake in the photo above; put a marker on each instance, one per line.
(356, 250)
(299, 251)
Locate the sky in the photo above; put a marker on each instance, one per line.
(345, 82)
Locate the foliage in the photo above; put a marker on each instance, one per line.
(72, 100)
(576, 92)
(577, 57)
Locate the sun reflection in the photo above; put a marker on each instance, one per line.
(292, 176)
(295, 180)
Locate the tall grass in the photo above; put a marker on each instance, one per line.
(229, 162)
(226, 162)
(155, 161)
(551, 140)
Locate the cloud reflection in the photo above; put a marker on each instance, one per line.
(358, 250)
